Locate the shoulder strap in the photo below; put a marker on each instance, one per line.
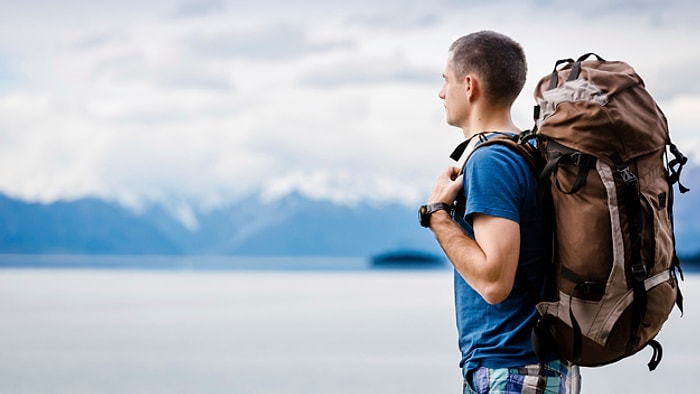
(523, 148)
(517, 142)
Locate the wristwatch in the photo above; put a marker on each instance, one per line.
(426, 210)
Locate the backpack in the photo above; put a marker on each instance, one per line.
(602, 162)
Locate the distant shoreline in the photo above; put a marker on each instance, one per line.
(235, 263)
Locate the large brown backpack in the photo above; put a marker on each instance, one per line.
(605, 141)
(602, 161)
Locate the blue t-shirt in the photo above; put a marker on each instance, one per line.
(498, 182)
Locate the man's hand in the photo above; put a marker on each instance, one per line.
(447, 186)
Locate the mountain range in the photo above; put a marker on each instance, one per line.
(290, 226)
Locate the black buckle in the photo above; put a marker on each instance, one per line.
(627, 175)
(639, 272)
(582, 159)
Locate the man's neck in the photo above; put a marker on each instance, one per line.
(493, 120)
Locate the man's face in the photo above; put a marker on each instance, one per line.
(454, 95)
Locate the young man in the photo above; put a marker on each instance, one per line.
(501, 235)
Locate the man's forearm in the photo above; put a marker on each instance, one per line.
(483, 274)
(464, 252)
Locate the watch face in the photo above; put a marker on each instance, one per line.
(423, 216)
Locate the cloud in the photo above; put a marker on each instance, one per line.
(207, 101)
(649, 13)
(675, 78)
(682, 116)
(188, 80)
(277, 42)
(7, 75)
(368, 71)
(194, 9)
(405, 20)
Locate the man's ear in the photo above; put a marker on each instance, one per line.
(471, 86)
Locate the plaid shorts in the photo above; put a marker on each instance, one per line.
(559, 378)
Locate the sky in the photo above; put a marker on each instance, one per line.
(197, 104)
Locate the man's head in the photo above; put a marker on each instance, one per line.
(495, 59)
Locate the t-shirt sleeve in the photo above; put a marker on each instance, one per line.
(493, 183)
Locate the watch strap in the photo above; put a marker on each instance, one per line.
(427, 210)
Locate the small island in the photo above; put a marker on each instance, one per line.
(407, 259)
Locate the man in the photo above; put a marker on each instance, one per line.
(501, 235)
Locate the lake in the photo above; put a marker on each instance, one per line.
(324, 326)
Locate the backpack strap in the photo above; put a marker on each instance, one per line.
(517, 142)
(483, 137)
(674, 168)
(575, 69)
(638, 271)
(560, 155)
(656, 356)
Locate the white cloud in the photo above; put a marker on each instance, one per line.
(204, 102)
(683, 119)
(199, 8)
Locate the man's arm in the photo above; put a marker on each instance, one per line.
(487, 265)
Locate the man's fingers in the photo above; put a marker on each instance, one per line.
(453, 172)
